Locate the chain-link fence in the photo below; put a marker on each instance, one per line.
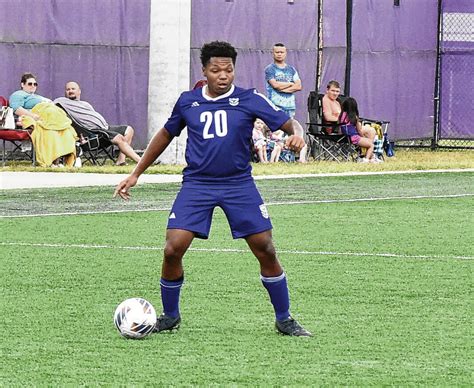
(456, 88)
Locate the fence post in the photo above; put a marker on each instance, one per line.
(437, 86)
(347, 77)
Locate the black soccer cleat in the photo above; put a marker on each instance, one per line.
(165, 322)
(291, 327)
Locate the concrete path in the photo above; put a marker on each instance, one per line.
(30, 180)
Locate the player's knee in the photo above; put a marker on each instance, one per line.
(173, 252)
(266, 250)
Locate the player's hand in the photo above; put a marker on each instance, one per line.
(123, 187)
(295, 143)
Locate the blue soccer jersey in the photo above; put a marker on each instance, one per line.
(219, 132)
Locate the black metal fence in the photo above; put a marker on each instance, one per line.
(454, 92)
(453, 89)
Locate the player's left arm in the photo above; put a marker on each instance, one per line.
(294, 130)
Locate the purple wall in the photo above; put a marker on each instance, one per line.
(253, 27)
(393, 60)
(333, 65)
(104, 45)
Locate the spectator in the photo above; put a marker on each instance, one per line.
(259, 140)
(25, 99)
(85, 115)
(52, 135)
(362, 136)
(284, 153)
(282, 81)
(331, 106)
(274, 145)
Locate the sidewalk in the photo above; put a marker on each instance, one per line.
(29, 180)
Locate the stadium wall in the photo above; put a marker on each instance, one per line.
(101, 44)
(393, 57)
(133, 57)
(253, 27)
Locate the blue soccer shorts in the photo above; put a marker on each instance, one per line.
(242, 204)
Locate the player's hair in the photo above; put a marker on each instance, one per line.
(349, 105)
(26, 76)
(334, 84)
(278, 45)
(217, 49)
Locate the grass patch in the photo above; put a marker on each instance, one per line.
(404, 159)
(404, 319)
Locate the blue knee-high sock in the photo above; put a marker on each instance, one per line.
(279, 296)
(170, 290)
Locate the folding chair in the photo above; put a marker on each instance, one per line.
(94, 144)
(325, 140)
(15, 137)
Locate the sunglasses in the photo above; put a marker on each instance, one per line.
(32, 83)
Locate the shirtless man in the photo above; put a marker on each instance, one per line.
(331, 106)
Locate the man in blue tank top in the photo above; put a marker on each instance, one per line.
(219, 118)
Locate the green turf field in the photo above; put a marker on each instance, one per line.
(379, 268)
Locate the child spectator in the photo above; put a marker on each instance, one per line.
(274, 145)
(362, 136)
(259, 141)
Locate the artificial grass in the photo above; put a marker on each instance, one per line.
(403, 319)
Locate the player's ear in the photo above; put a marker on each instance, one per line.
(203, 70)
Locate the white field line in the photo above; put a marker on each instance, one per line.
(236, 250)
(304, 202)
(361, 173)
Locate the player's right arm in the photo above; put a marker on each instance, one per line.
(157, 145)
(295, 140)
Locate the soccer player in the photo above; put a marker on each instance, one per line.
(219, 118)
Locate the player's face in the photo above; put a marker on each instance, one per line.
(220, 75)
(279, 54)
(72, 91)
(333, 93)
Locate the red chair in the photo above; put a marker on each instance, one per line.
(15, 137)
(3, 101)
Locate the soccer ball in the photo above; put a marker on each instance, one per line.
(135, 318)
